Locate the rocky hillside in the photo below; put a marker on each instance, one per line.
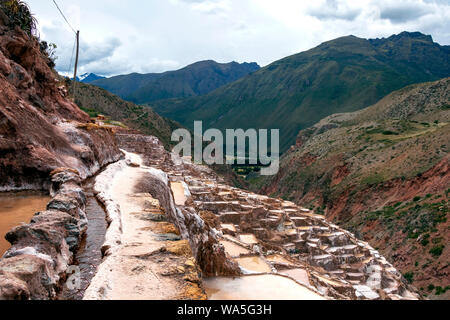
(196, 79)
(95, 100)
(343, 75)
(382, 173)
(40, 128)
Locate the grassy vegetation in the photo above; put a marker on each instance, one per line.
(245, 170)
(373, 179)
(116, 124)
(91, 112)
(20, 15)
(417, 221)
(424, 218)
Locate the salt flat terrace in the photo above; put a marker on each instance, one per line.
(271, 236)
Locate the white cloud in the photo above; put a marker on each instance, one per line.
(334, 10)
(404, 11)
(154, 36)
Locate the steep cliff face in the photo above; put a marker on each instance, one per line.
(40, 128)
(382, 173)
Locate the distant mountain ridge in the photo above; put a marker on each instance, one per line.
(196, 79)
(343, 75)
(89, 77)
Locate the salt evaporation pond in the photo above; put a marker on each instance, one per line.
(233, 249)
(254, 265)
(178, 193)
(259, 287)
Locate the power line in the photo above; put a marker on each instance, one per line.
(71, 58)
(60, 11)
(77, 41)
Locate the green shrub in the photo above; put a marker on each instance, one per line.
(426, 240)
(440, 290)
(409, 276)
(390, 133)
(49, 49)
(437, 251)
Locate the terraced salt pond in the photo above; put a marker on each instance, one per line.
(233, 249)
(254, 265)
(178, 193)
(248, 239)
(18, 208)
(259, 287)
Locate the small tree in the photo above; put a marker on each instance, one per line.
(49, 49)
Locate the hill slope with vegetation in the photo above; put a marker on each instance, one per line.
(384, 174)
(95, 101)
(343, 75)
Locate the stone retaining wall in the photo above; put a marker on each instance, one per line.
(42, 251)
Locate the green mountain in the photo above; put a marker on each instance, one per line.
(383, 174)
(196, 79)
(343, 75)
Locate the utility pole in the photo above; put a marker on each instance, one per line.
(76, 65)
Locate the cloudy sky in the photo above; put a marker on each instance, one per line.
(120, 37)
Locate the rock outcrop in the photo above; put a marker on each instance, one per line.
(36, 264)
(40, 128)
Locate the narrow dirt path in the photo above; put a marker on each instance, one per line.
(143, 267)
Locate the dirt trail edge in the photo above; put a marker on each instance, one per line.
(146, 259)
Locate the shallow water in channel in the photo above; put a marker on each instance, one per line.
(16, 209)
